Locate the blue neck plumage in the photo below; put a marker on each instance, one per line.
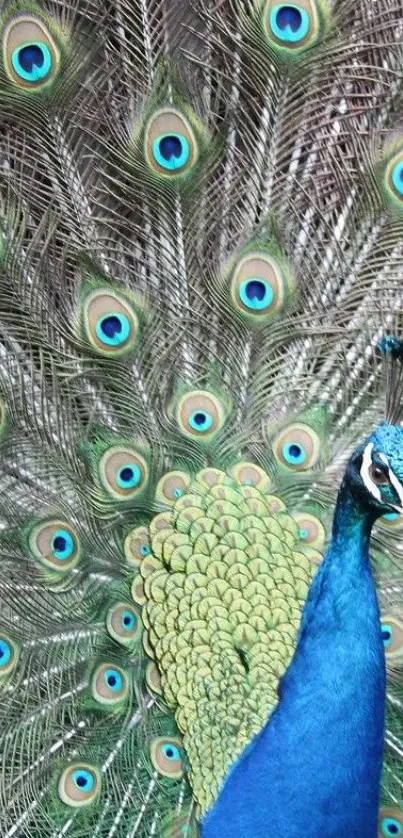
(314, 770)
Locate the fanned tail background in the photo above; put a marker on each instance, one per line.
(201, 247)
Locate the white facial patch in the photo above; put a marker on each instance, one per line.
(365, 475)
(393, 479)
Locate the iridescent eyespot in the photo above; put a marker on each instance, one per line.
(9, 653)
(293, 26)
(310, 530)
(172, 486)
(166, 756)
(123, 623)
(30, 55)
(109, 685)
(390, 823)
(392, 636)
(391, 182)
(297, 448)
(249, 474)
(387, 634)
(79, 785)
(397, 177)
(171, 151)
(391, 520)
(258, 287)
(200, 415)
(170, 144)
(137, 546)
(110, 323)
(123, 472)
(55, 544)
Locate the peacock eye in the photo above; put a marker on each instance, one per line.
(9, 653)
(171, 151)
(201, 421)
(123, 472)
(289, 23)
(294, 26)
(79, 785)
(32, 62)
(387, 635)
(172, 486)
(392, 636)
(124, 624)
(397, 178)
(113, 329)
(55, 544)
(109, 685)
(200, 414)
(110, 323)
(378, 475)
(391, 827)
(30, 53)
(297, 447)
(166, 755)
(258, 287)
(171, 147)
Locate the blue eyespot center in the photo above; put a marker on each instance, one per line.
(303, 533)
(128, 620)
(114, 680)
(129, 476)
(113, 329)
(62, 545)
(289, 23)
(390, 826)
(171, 752)
(391, 516)
(178, 493)
(32, 62)
(294, 453)
(387, 634)
(5, 653)
(201, 421)
(397, 178)
(84, 780)
(145, 550)
(256, 294)
(171, 151)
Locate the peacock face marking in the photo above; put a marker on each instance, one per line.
(30, 55)
(375, 471)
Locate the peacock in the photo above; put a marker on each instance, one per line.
(201, 418)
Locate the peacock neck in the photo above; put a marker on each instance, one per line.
(334, 687)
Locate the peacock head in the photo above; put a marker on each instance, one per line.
(375, 471)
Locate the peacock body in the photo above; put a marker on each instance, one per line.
(201, 251)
